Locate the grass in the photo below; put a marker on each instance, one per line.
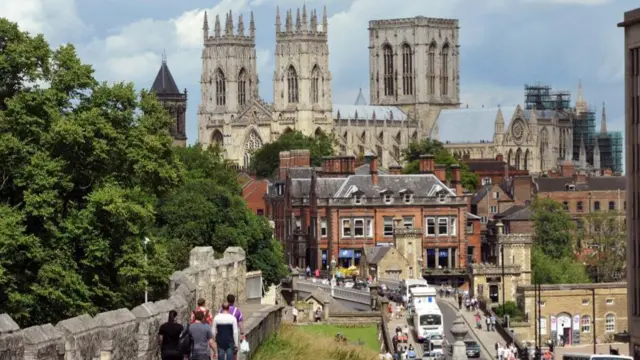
(366, 334)
(300, 343)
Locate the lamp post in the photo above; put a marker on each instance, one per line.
(504, 283)
(146, 263)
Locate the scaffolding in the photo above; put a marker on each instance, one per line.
(542, 97)
(611, 144)
(584, 129)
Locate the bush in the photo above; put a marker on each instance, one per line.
(511, 309)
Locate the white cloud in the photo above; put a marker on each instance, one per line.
(58, 19)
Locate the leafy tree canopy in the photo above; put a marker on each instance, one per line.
(82, 164)
(604, 245)
(442, 156)
(266, 160)
(554, 229)
(549, 270)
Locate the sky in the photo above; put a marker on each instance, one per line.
(504, 43)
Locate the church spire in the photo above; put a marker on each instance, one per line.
(240, 26)
(230, 23)
(205, 27)
(581, 105)
(298, 22)
(582, 155)
(288, 25)
(603, 122)
(314, 21)
(217, 30)
(305, 24)
(277, 19)
(325, 21)
(499, 123)
(252, 27)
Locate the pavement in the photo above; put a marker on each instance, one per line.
(402, 322)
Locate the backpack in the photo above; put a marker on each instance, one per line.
(185, 343)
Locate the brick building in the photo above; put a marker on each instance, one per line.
(495, 198)
(333, 213)
(493, 171)
(253, 192)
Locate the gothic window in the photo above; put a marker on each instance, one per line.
(407, 70)
(217, 138)
(444, 78)
(432, 69)
(527, 154)
(242, 87)
(518, 158)
(389, 84)
(221, 88)
(253, 143)
(510, 157)
(544, 145)
(315, 82)
(292, 85)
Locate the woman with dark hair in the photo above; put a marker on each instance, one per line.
(169, 338)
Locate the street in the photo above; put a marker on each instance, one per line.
(449, 314)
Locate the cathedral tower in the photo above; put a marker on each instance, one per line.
(302, 80)
(414, 64)
(173, 101)
(229, 79)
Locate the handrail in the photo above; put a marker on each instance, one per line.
(337, 292)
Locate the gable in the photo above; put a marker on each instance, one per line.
(255, 112)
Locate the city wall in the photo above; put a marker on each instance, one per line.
(124, 334)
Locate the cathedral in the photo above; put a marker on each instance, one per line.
(413, 75)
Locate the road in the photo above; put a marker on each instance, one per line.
(448, 316)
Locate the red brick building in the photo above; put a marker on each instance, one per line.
(333, 213)
(253, 192)
(493, 171)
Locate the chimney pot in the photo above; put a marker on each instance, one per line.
(395, 169)
(373, 169)
(441, 172)
(427, 164)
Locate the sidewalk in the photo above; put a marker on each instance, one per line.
(487, 339)
(402, 322)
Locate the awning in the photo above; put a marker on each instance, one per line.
(345, 254)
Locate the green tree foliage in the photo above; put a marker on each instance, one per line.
(553, 257)
(82, 165)
(606, 235)
(209, 210)
(267, 159)
(442, 156)
(510, 308)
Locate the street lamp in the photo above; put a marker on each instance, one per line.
(503, 279)
(146, 262)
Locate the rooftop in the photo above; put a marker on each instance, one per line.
(164, 84)
(593, 183)
(368, 112)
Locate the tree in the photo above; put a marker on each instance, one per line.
(441, 156)
(554, 229)
(266, 160)
(82, 164)
(605, 234)
(208, 210)
(549, 270)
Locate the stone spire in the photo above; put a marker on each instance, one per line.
(230, 23)
(205, 27)
(596, 155)
(325, 21)
(499, 123)
(298, 22)
(226, 25)
(288, 25)
(603, 122)
(305, 24)
(581, 105)
(217, 26)
(252, 27)
(277, 19)
(314, 21)
(583, 155)
(240, 26)
(360, 99)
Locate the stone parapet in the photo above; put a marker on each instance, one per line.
(124, 334)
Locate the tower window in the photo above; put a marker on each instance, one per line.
(221, 88)
(292, 85)
(315, 82)
(407, 70)
(445, 70)
(389, 83)
(242, 88)
(432, 69)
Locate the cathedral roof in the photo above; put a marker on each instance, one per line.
(366, 112)
(470, 125)
(164, 83)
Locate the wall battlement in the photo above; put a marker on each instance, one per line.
(124, 334)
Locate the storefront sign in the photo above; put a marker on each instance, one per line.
(576, 323)
(554, 324)
(345, 254)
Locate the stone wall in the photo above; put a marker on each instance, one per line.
(124, 334)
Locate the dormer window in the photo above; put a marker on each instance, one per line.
(387, 198)
(407, 198)
(442, 196)
(570, 187)
(357, 199)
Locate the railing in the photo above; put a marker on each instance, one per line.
(356, 296)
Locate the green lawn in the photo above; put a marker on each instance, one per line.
(367, 334)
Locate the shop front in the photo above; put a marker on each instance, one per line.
(349, 257)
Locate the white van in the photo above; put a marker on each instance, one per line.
(407, 285)
(427, 321)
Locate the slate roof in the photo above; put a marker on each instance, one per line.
(483, 191)
(366, 112)
(470, 125)
(366, 169)
(516, 212)
(487, 165)
(594, 183)
(164, 83)
(375, 254)
(422, 185)
(301, 172)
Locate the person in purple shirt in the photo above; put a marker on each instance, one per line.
(233, 310)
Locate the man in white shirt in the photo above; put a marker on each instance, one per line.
(294, 312)
(225, 332)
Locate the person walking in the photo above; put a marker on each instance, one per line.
(169, 338)
(201, 337)
(203, 309)
(233, 310)
(226, 334)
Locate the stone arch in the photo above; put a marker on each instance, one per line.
(292, 85)
(407, 69)
(518, 159)
(242, 87)
(510, 157)
(431, 67)
(319, 132)
(544, 148)
(527, 156)
(217, 137)
(316, 75)
(252, 142)
(444, 69)
(287, 130)
(388, 70)
(221, 87)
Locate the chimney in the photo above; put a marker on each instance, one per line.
(441, 172)
(395, 169)
(580, 178)
(337, 166)
(567, 169)
(456, 179)
(522, 188)
(373, 169)
(426, 164)
(500, 157)
(300, 158)
(285, 163)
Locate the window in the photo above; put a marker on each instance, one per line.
(442, 197)
(610, 323)
(407, 198)
(486, 181)
(323, 227)
(292, 85)
(496, 195)
(543, 326)
(469, 228)
(565, 205)
(260, 212)
(298, 222)
(612, 205)
(470, 254)
(369, 228)
(407, 222)
(242, 87)
(609, 301)
(221, 91)
(357, 199)
(389, 83)
(358, 228)
(484, 220)
(493, 209)
(585, 323)
(444, 79)
(453, 226)
(346, 228)
(625, 206)
(596, 205)
(407, 70)
(579, 206)
(315, 81)
(387, 198)
(585, 301)
(432, 69)
(387, 226)
(431, 226)
(443, 226)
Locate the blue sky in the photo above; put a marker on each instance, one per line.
(504, 43)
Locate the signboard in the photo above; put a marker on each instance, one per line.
(384, 244)
(554, 324)
(494, 279)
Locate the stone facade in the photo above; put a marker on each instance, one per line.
(391, 265)
(132, 334)
(233, 114)
(571, 307)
